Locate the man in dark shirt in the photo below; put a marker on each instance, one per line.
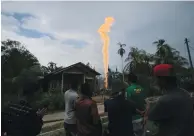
(20, 119)
(174, 111)
(120, 111)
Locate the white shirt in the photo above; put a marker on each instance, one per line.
(70, 98)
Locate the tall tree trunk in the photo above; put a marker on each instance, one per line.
(122, 68)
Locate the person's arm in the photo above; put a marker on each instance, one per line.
(76, 97)
(130, 104)
(160, 111)
(34, 124)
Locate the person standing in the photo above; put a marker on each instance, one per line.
(19, 118)
(69, 119)
(88, 119)
(119, 111)
(174, 110)
(136, 94)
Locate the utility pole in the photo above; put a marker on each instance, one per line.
(188, 50)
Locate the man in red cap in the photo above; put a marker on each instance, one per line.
(174, 110)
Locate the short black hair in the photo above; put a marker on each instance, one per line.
(85, 90)
(74, 85)
(29, 88)
(132, 78)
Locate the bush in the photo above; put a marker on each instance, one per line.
(57, 102)
(54, 100)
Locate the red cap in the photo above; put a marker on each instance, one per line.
(163, 70)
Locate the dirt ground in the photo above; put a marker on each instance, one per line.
(60, 115)
(100, 98)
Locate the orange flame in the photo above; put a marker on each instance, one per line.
(103, 31)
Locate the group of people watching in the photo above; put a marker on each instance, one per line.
(126, 110)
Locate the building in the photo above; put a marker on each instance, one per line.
(61, 79)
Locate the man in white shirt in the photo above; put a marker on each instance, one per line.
(70, 120)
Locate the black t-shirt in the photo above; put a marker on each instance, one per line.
(19, 119)
(120, 113)
(174, 114)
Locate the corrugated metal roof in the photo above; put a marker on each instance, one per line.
(74, 65)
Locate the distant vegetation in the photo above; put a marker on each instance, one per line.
(19, 65)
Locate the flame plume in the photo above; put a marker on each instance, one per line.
(103, 31)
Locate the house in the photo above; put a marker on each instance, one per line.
(61, 79)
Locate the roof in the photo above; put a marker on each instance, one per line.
(74, 65)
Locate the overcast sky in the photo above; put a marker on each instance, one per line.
(66, 32)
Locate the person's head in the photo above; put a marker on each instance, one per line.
(74, 85)
(85, 90)
(132, 78)
(166, 77)
(118, 86)
(29, 89)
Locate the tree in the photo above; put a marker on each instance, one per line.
(52, 66)
(15, 58)
(168, 55)
(45, 70)
(32, 74)
(89, 65)
(163, 52)
(121, 52)
(113, 75)
(133, 59)
(146, 59)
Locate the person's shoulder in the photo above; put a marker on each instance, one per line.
(129, 88)
(106, 101)
(165, 99)
(71, 93)
(110, 102)
(87, 101)
(66, 92)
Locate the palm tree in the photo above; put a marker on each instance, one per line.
(146, 59)
(133, 58)
(177, 59)
(52, 66)
(121, 52)
(169, 55)
(45, 70)
(164, 51)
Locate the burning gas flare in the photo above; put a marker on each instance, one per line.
(103, 31)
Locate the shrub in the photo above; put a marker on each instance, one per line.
(57, 101)
(54, 100)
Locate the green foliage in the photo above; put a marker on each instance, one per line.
(57, 101)
(54, 100)
(141, 62)
(121, 50)
(15, 58)
(16, 61)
